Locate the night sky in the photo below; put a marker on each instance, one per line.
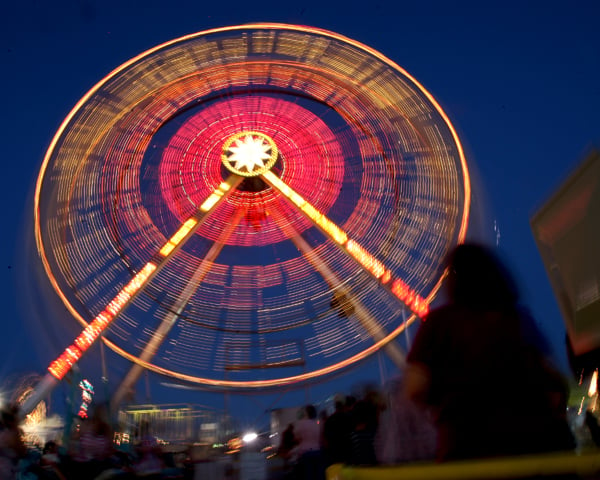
(519, 80)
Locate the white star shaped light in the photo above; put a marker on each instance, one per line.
(249, 152)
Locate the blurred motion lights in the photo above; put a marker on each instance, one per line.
(199, 186)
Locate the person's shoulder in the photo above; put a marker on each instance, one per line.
(441, 313)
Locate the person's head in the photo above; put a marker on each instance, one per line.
(50, 447)
(477, 278)
(311, 412)
(9, 416)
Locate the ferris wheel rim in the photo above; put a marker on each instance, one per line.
(283, 380)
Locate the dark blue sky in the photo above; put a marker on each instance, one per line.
(519, 80)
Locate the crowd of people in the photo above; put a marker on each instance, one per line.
(477, 384)
(362, 430)
(90, 453)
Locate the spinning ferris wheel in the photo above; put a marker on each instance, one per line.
(250, 206)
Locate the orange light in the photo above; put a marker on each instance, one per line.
(593, 389)
(87, 337)
(140, 278)
(368, 261)
(103, 319)
(336, 233)
(214, 197)
(178, 236)
(410, 298)
(59, 367)
(113, 307)
(331, 228)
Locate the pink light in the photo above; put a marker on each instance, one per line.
(313, 160)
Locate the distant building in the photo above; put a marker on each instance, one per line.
(175, 423)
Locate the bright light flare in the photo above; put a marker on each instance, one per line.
(249, 437)
(215, 197)
(249, 153)
(593, 389)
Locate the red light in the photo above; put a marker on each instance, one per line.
(410, 298)
(59, 367)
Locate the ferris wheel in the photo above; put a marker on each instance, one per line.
(249, 207)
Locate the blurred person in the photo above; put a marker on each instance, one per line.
(92, 446)
(365, 421)
(150, 460)
(12, 448)
(406, 431)
(309, 464)
(336, 434)
(50, 462)
(591, 422)
(350, 402)
(479, 363)
(287, 444)
(323, 416)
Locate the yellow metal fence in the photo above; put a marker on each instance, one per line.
(586, 465)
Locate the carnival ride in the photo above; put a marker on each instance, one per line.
(249, 207)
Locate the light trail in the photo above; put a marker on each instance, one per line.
(171, 318)
(416, 303)
(61, 366)
(369, 90)
(366, 319)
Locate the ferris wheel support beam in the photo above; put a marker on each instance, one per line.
(411, 299)
(368, 321)
(59, 367)
(169, 320)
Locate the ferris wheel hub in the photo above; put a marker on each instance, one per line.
(249, 153)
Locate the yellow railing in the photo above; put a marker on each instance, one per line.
(586, 464)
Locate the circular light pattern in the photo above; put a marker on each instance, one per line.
(249, 154)
(259, 295)
(186, 180)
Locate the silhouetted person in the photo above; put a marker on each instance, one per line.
(307, 431)
(149, 462)
(336, 434)
(92, 446)
(287, 444)
(478, 362)
(406, 431)
(12, 448)
(362, 437)
(49, 467)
